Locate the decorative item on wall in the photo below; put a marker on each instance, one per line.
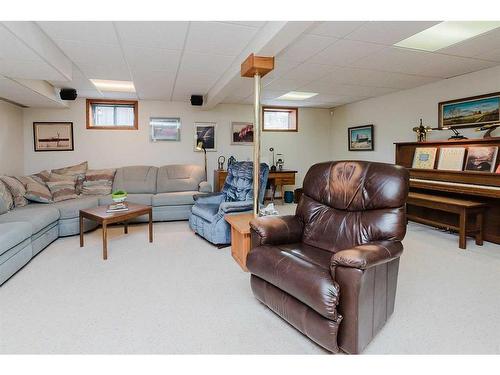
(481, 158)
(53, 136)
(206, 131)
(220, 163)
(241, 133)
(424, 158)
(361, 138)
(451, 158)
(470, 112)
(165, 128)
(422, 131)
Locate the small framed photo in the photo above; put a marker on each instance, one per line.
(207, 132)
(165, 128)
(361, 138)
(241, 133)
(53, 136)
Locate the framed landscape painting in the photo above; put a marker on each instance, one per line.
(206, 131)
(470, 112)
(53, 136)
(361, 138)
(241, 133)
(165, 128)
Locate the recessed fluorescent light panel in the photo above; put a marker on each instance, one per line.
(447, 33)
(116, 86)
(297, 95)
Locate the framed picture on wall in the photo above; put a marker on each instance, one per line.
(471, 112)
(53, 136)
(165, 128)
(206, 132)
(241, 133)
(360, 138)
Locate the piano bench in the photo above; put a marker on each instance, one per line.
(461, 207)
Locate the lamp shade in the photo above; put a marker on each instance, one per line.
(200, 145)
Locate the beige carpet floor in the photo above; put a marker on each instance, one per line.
(182, 295)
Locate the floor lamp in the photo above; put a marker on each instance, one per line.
(256, 67)
(200, 145)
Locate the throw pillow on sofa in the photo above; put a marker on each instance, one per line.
(98, 182)
(62, 187)
(78, 171)
(36, 189)
(6, 202)
(17, 190)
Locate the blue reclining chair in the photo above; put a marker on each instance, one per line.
(207, 214)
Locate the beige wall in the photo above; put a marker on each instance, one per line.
(11, 139)
(395, 115)
(108, 148)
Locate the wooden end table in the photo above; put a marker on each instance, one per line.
(240, 237)
(104, 218)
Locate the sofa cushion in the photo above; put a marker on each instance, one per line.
(98, 182)
(36, 189)
(136, 179)
(134, 198)
(17, 190)
(37, 214)
(205, 211)
(300, 270)
(179, 177)
(71, 208)
(6, 201)
(173, 199)
(78, 171)
(12, 234)
(62, 187)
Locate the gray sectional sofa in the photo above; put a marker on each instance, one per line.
(25, 231)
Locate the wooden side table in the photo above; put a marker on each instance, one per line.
(240, 237)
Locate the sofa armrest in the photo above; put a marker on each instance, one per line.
(204, 187)
(273, 230)
(238, 206)
(210, 198)
(368, 255)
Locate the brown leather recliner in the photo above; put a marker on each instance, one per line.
(331, 269)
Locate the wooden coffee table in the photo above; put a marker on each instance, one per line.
(104, 218)
(240, 237)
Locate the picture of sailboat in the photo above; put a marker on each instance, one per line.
(53, 136)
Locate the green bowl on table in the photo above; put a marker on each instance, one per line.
(119, 196)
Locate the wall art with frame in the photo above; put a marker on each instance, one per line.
(207, 132)
(360, 138)
(53, 136)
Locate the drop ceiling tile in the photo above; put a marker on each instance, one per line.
(307, 72)
(92, 53)
(153, 34)
(479, 45)
(82, 31)
(305, 47)
(389, 32)
(106, 71)
(78, 81)
(339, 89)
(257, 24)
(408, 61)
(366, 77)
(336, 29)
(493, 55)
(13, 49)
(280, 68)
(195, 65)
(218, 38)
(27, 69)
(152, 58)
(344, 52)
(284, 84)
(154, 84)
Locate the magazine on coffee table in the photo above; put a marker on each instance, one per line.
(117, 207)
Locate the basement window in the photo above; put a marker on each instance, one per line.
(112, 114)
(280, 119)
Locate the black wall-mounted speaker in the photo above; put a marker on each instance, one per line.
(68, 94)
(196, 100)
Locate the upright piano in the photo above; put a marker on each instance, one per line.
(478, 186)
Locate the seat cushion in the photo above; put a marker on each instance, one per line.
(173, 199)
(39, 215)
(12, 234)
(71, 208)
(300, 270)
(205, 211)
(134, 198)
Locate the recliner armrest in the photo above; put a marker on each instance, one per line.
(204, 187)
(237, 206)
(367, 255)
(273, 230)
(210, 198)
